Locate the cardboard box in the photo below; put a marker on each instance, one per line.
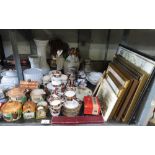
(91, 105)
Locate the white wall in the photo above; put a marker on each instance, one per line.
(23, 44)
(23, 47)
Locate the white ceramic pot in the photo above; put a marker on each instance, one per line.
(41, 51)
(10, 78)
(33, 74)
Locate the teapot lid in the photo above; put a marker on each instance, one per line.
(9, 72)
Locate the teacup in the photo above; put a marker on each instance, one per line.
(70, 95)
(56, 104)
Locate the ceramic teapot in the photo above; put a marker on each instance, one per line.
(10, 78)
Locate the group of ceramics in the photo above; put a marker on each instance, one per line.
(43, 90)
(57, 93)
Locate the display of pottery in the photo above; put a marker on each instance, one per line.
(12, 111)
(64, 96)
(41, 52)
(29, 109)
(33, 74)
(9, 78)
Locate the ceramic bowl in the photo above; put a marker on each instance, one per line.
(33, 74)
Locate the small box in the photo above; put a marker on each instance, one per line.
(91, 105)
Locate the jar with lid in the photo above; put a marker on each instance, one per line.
(41, 112)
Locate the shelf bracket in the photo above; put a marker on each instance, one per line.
(12, 35)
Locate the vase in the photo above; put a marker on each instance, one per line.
(41, 52)
(34, 61)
